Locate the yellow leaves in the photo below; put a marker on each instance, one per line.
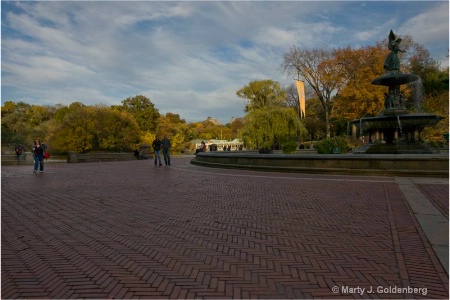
(358, 97)
(85, 128)
(147, 138)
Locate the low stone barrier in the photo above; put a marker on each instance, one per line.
(73, 157)
(432, 165)
(100, 157)
(12, 159)
(298, 151)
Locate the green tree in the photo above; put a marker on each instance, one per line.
(265, 125)
(268, 117)
(262, 93)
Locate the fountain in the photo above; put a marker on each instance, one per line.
(395, 147)
(395, 130)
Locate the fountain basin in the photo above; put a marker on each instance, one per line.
(423, 165)
(395, 134)
(407, 121)
(395, 79)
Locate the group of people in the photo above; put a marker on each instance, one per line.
(39, 150)
(158, 145)
(163, 145)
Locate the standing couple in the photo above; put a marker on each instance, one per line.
(163, 144)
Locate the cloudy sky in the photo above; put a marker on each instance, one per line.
(187, 57)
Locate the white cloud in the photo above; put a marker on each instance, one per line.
(187, 57)
(429, 26)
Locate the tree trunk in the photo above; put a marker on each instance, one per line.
(327, 121)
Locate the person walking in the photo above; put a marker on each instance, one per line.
(165, 144)
(157, 148)
(19, 152)
(38, 152)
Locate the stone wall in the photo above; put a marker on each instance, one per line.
(99, 157)
(433, 165)
(12, 159)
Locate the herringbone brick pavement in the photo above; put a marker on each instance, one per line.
(130, 230)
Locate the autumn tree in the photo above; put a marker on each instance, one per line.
(314, 122)
(115, 130)
(207, 130)
(176, 128)
(86, 128)
(235, 126)
(76, 130)
(358, 97)
(437, 102)
(143, 110)
(319, 71)
(22, 123)
(14, 122)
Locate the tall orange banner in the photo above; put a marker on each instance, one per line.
(301, 97)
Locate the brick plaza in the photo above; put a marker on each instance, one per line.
(132, 230)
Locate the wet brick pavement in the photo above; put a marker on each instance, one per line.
(130, 230)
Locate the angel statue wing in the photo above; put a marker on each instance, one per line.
(391, 40)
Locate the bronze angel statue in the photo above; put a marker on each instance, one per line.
(392, 62)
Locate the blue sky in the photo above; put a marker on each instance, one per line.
(187, 57)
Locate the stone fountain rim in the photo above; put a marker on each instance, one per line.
(392, 79)
(394, 117)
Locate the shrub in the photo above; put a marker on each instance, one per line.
(326, 146)
(433, 144)
(289, 147)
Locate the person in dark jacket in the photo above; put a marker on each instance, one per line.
(38, 152)
(157, 148)
(165, 144)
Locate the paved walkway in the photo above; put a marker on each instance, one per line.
(130, 230)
